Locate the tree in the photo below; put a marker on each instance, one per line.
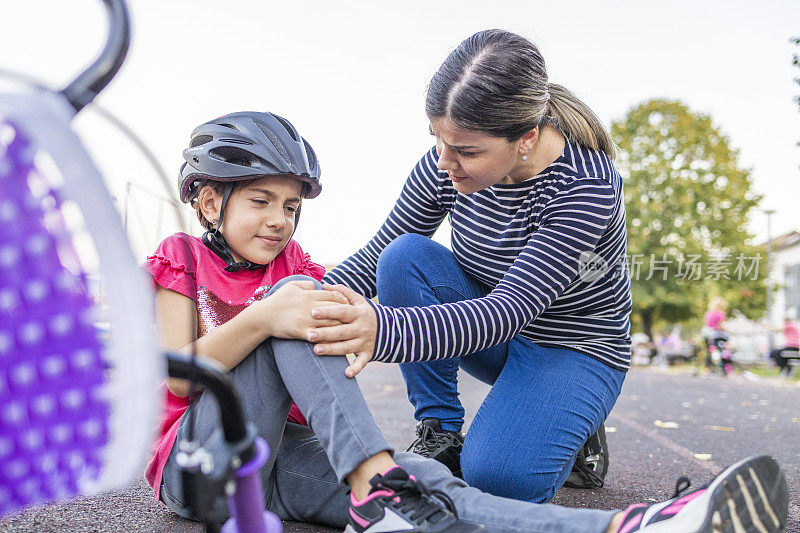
(687, 201)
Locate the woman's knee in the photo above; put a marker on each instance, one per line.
(518, 479)
(402, 253)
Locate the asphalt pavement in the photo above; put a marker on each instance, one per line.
(666, 424)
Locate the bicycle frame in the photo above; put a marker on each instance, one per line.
(208, 469)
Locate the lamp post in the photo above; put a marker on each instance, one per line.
(770, 335)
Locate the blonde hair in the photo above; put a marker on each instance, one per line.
(717, 302)
(495, 82)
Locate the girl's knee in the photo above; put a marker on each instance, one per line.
(296, 277)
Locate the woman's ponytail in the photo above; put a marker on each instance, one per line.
(567, 113)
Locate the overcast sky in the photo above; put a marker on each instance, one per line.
(352, 75)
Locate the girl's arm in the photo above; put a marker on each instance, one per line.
(285, 314)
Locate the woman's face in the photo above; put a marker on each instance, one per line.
(260, 218)
(477, 160)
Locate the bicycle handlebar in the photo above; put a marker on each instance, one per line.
(83, 89)
(234, 426)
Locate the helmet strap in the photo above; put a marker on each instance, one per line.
(225, 196)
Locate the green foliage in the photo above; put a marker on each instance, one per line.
(687, 201)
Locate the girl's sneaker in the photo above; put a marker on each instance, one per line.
(398, 502)
(749, 496)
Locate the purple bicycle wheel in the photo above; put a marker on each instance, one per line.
(78, 364)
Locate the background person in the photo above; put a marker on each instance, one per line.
(791, 341)
(714, 331)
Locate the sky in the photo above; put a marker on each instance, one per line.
(351, 76)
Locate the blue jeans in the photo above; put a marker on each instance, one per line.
(544, 402)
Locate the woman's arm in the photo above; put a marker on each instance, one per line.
(284, 314)
(421, 207)
(572, 224)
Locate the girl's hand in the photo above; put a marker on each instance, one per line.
(355, 333)
(289, 309)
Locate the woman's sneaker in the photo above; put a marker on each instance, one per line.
(591, 465)
(749, 496)
(440, 444)
(398, 502)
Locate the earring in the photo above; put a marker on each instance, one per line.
(525, 157)
(214, 222)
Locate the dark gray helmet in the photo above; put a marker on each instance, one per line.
(247, 145)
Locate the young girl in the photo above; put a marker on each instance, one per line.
(245, 291)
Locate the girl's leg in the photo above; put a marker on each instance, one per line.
(502, 515)
(303, 486)
(268, 379)
(542, 408)
(416, 271)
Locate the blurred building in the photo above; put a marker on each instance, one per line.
(785, 274)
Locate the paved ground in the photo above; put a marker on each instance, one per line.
(723, 419)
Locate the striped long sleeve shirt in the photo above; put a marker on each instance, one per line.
(551, 249)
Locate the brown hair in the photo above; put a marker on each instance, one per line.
(495, 82)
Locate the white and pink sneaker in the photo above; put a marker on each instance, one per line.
(750, 496)
(398, 502)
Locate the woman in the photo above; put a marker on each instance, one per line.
(532, 299)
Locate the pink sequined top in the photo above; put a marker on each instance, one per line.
(182, 263)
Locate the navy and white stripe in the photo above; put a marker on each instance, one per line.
(522, 240)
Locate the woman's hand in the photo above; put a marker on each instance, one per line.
(288, 310)
(355, 333)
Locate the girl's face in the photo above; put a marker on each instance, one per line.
(260, 217)
(477, 160)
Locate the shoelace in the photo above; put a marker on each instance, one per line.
(681, 485)
(428, 440)
(417, 498)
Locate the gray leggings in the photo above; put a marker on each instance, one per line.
(304, 475)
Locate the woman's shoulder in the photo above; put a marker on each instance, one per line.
(580, 162)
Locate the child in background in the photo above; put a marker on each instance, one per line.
(243, 294)
(713, 330)
(791, 343)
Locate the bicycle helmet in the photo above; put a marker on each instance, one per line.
(247, 145)
(244, 146)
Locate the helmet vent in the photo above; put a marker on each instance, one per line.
(200, 139)
(274, 140)
(231, 126)
(288, 126)
(237, 141)
(233, 155)
(312, 157)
